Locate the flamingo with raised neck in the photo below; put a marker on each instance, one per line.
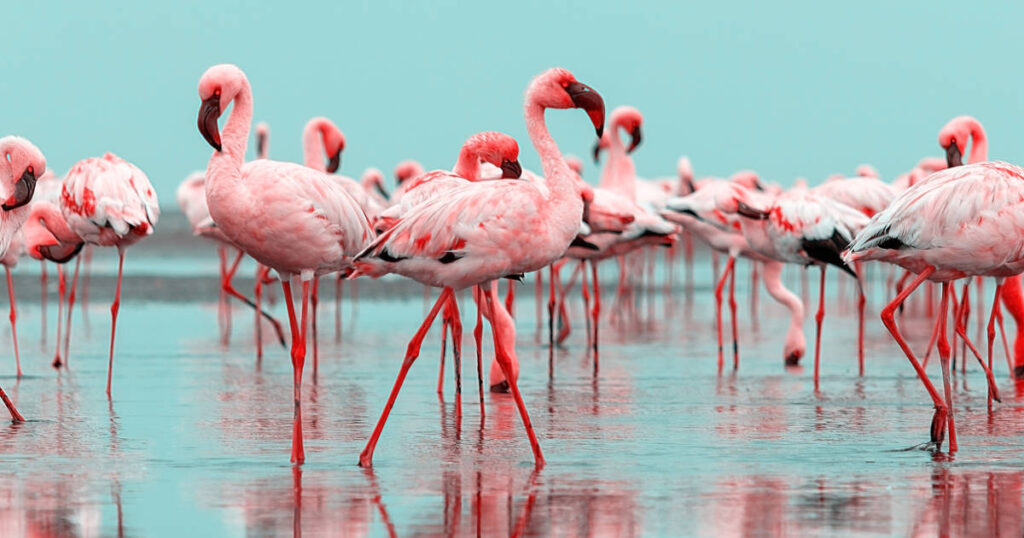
(288, 217)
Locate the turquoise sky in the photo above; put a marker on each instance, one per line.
(806, 89)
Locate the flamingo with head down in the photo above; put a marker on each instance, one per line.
(488, 230)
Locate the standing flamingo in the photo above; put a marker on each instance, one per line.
(288, 217)
(105, 201)
(488, 230)
(955, 223)
(20, 164)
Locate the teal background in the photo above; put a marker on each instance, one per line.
(800, 89)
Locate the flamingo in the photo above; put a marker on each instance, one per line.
(373, 182)
(954, 223)
(21, 163)
(698, 213)
(797, 227)
(488, 230)
(405, 171)
(291, 218)
(105, 201)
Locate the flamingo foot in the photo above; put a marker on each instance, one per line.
(938, 429)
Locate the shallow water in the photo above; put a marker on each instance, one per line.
(196, 438)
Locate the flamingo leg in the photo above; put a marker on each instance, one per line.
(478, 332)
(230, 290)
(596, 313)
(298, 354)
(862, 302)
(551, 306)
(564, 327)
(114, 307)
(732, 318)
(931, 343)
(71, 309)
(586, 300)
(339, 291)
(729, 264)
(819, 317)
(944, 354)
(413, 351)
(510, 299)
(991, 329)
(961, 329)
(61, 289)
(258, 296)
(502, 327)
(315, 306)
(889, 320)
(538, 293)
(445, 312)
(15, 415)
(14, 318)
(221, 297)
(42, 301)
(754, 279)
(456, 325)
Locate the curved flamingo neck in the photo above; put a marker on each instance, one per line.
(468, 165)
(226, 166)
(557, 173)
(312, 146)
(979, 144)
(53, 220)
(619, 173)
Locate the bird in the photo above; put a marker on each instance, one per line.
(291, 218)
(488, 230)
(698, 213)
(797, 227)
(405, 171)
(21, 163)
(958, 222)
(109, 202)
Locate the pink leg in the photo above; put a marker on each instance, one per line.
(510, 299)
(114, 307)
(732, 316)
(538, 296)
(818, 318)
(944, 360)
(61, 290)
(15, 415)
(339, 291)
(456, 325)
(961, 329)
(258, 296)
(551, 305)
(86, 283)
(445, 312)
(315, 306)
(596, 313)
(754, 280)
(991, 330)
(230, 290)
(14, 318)
(586, 301)
(718, 306)
(861, 303)
(222, 300)
(478, 332)
(413, 351)
(71, 309)
(42, 301)
(502, 327)
(889, 320)
(298, 362)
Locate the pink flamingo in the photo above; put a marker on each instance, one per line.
(288, 217)
(105, 201)
(405, 171)
(488, 230)
(698, 212)
(373, 182)
(952, 224)
(797, 227)
(21, 163)
(869, 195)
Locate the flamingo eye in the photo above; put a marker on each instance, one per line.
(30, 169)
(216, 92)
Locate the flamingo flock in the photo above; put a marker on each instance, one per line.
(488, 220)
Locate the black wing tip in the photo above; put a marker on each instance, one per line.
(829, 251)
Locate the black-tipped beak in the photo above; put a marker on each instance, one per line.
(597, 151)
(511, 169)
(745, 210)
(953, 155)
(585, 97)
(334, 162)
(381, 190)
(209, 113)
(583, 243)
(23, 190)
(261, 145)
(61, 253)
(636, 138)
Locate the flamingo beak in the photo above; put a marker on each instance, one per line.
(261, 144)
(597, 151)
(585, 97)
(334, 163)
(209, 113)
(636, 137)
(381, 190)
(23, 191)
(953, 155)
(745, 210)
(511, 169)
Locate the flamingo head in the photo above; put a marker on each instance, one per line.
(737, 199)
(26, 164)
(262, 139)
(558, 88)
(374, 178)
(954, 135)
(218, 87)
(748, 179)
(334, 144)
(498, 149)
(630, 119)
(602, 143)
(407, 170)
(866, 170)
